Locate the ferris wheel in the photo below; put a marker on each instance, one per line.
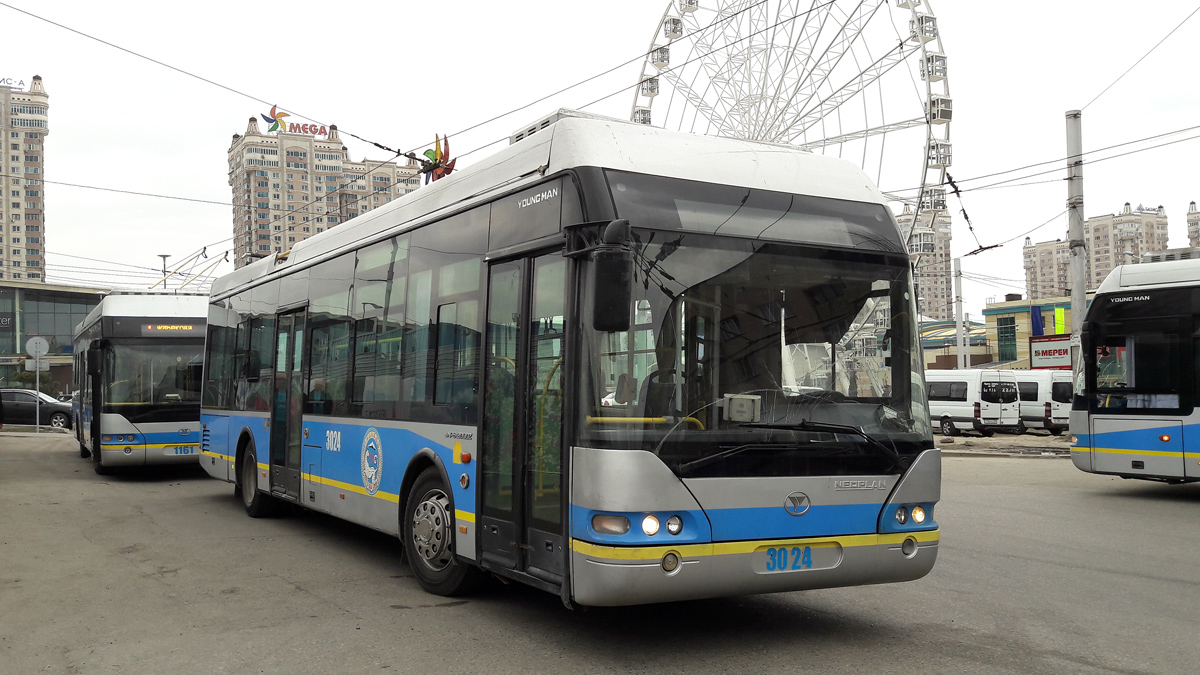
(863, 80)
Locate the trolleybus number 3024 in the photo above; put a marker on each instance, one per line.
(777, 559)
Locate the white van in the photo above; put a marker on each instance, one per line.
(1045, 399)
(979, 400)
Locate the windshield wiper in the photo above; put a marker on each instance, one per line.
(806, 425)
(716, 457)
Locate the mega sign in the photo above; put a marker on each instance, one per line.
(1052, 352)
(275, 119)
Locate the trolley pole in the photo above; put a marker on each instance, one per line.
(958, 315)
(1075, 228)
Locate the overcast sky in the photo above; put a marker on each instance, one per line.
(397, 73)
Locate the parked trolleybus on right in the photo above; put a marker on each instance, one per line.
(621, 364)
(1134, 413)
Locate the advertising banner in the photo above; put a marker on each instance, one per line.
(1050, 352)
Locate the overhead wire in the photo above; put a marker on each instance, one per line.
(1135, 64)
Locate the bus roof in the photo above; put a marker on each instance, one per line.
(580, 140)
(1152, 275)
(158, 305)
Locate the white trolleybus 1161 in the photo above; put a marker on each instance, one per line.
(1134, 413)
(620, 364)
(138, 361)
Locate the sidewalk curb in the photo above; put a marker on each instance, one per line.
(1000, 453)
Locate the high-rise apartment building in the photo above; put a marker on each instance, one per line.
(1047, 268)
(929, 249)
(290, 185)
(1193, 225)
(23, 115)
(1110, 240)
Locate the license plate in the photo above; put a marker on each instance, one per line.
(781, 559)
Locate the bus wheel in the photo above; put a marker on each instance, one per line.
(98, 463)
(257, 504)
(428, 533)
(84, 452)
(948, 427)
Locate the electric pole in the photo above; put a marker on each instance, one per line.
(1075, 228)
(958, 315)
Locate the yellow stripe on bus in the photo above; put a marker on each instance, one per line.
(463, 515)
(1153, 453)
(736, 547)
(357, 489)
(149, 446)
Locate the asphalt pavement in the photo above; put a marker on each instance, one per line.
(1042, 569)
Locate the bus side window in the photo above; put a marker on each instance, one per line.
(329, 369)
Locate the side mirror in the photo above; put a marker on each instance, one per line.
(612, 279)
(93, 362)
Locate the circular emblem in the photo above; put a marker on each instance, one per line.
(796, 504)
(372, 460)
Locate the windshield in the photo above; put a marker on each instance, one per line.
(160, 374)
(1138, 354)
(735, 343)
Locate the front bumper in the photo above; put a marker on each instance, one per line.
(141, 455)
(631, 575)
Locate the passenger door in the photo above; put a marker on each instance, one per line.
(287, 406)
(522, 522)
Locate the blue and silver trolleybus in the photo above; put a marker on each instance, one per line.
(138, 361)
(1135, 409)
(621, 364)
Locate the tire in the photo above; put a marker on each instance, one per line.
(258, 505)
(427, 529)
(1056, 431)
(1020, 428)
(84, 452)
(98, 463)
(986, 433)
(948, 427)
(60, 421)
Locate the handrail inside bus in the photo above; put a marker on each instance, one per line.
(645, 420)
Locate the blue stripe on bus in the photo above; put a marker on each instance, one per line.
(1141, 439)
(740, 523)
(774, 522)
(345, 465)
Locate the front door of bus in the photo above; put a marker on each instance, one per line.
(521, 516)
(287, 408)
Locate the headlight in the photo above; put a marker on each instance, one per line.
(650, 525)
(106, 439)
(902, 515)
(674, 524)
(610, 524)
(918, 514)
